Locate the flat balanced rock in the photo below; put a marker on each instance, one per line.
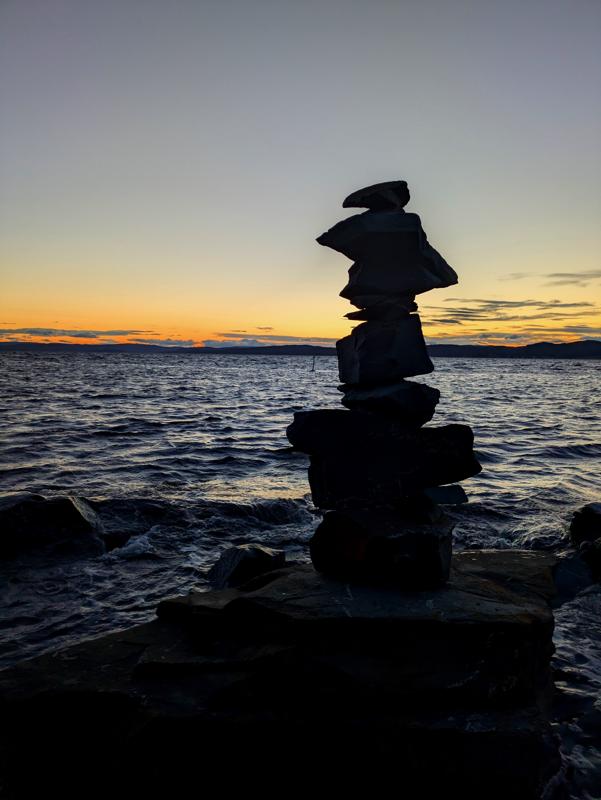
(379, 196)
(379, 352)
(412, 403)
(382, 307)
(361, 459)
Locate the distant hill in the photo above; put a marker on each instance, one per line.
(587, 348)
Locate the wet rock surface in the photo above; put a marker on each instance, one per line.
(239, 564)
(586, 524)
(382, 352)
(32, 523)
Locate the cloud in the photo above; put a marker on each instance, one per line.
(516, 276)
(76, 334)
(275, 338)
(229, 339)
(165, 342)
(233, 343)
(573, 278)
(558, 278)
(264, 328)
(486, 310)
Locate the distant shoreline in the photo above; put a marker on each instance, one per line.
(587, 348)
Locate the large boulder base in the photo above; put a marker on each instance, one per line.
(380, 352)
(30, 523)
(437, 692)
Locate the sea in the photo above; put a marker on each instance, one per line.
(187, 455)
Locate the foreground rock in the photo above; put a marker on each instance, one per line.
(440, 692)
(31, 523)
(586, 524)
(239, 564)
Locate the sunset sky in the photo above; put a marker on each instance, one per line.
(165, 165)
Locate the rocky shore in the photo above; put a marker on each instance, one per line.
(297, 678)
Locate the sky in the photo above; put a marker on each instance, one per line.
(165, 167)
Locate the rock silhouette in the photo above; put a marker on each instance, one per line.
(373, 464)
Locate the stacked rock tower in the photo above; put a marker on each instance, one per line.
(373, 468)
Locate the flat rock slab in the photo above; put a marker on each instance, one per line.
(483, 638)
(436, 690)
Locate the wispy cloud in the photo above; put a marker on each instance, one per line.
(573, 278)
(231, 339)
(516, 276)
(164, 342)
(73, 333)
(264, 328)
(271, 338)
(488, 310)
(582, 278)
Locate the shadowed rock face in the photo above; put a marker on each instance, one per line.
(586, 524)
(378, 353)
(353, 481)
(392, 254)
(332, 430)
(30, 523)
(239, 564)
(366, 546)
(412, 404)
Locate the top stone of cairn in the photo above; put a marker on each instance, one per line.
(380, 196)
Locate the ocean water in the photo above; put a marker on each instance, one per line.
(188, 454)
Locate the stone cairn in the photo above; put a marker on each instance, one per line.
(373, 468)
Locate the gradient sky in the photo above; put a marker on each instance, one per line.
(165, 166)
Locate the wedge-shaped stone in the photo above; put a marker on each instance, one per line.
(379, 352)
(392, 252)
(411, 403)
(383, 548)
